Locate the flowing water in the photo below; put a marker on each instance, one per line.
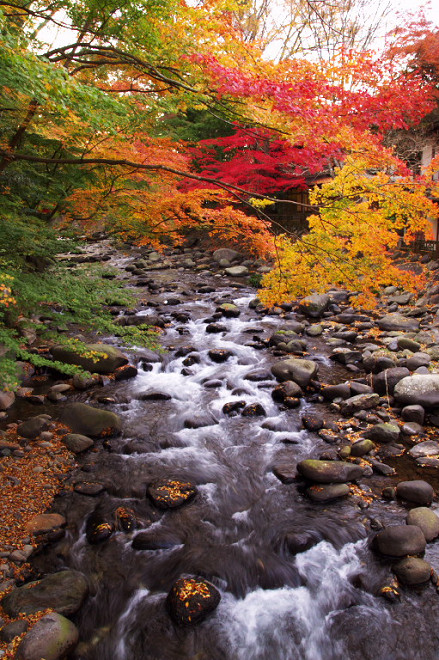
(239, 530)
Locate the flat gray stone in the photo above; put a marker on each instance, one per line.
(427, 448)
(396, 321)
(237, 271)
(421, 389)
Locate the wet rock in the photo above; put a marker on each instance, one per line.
(359, 402)
(220, 355)
(45, 522)
(384, 382)
(313, 421)
(345, 356)
(64, 592)
(327, 492)
(412, 571)
(413, 414)
(315, 305)
(254, 410)
(125, 519)
(384, 432)
(97, 529)
(153, 395)
(258, 376)
(382, 468)
(419, 389)
(362, 447)
(326, 472)
(215, 328)
(126, 372)
(89, 421)
(285, 472)
(340, 391)
(396, 321)
(405, 343)
(33, 426)
(191, 600)
(426, 519)
(81, 382)
(297, 542)
(90, 488)
(417, 491)
(233, 408)
(199, 420)
(53, 637)
(149, 540)
(171, 493)
(112, 359)
(296, 369)
(76, 442)
(400, 540)
(229, 310)
(286, 390)
(422, 449)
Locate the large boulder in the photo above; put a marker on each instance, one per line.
(384, 382)
(296, 369)
(326, 472)
(89, 421)
(53, 637)
(400, 540)
(412, 571)
(422, 389)
(228, 254)
(314, 305)
(396, 321)
(192, 599)
(426, 519)
(106, 364)
(417, 491)
(64, 592)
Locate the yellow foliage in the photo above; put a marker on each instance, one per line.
(349, 241)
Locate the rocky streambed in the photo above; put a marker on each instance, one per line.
(265, 488)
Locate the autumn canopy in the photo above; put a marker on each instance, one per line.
(151, 117)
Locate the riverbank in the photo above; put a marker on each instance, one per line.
(241, 400)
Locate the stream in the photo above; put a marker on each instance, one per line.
(297, 579)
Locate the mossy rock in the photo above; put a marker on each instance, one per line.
(113, 359)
